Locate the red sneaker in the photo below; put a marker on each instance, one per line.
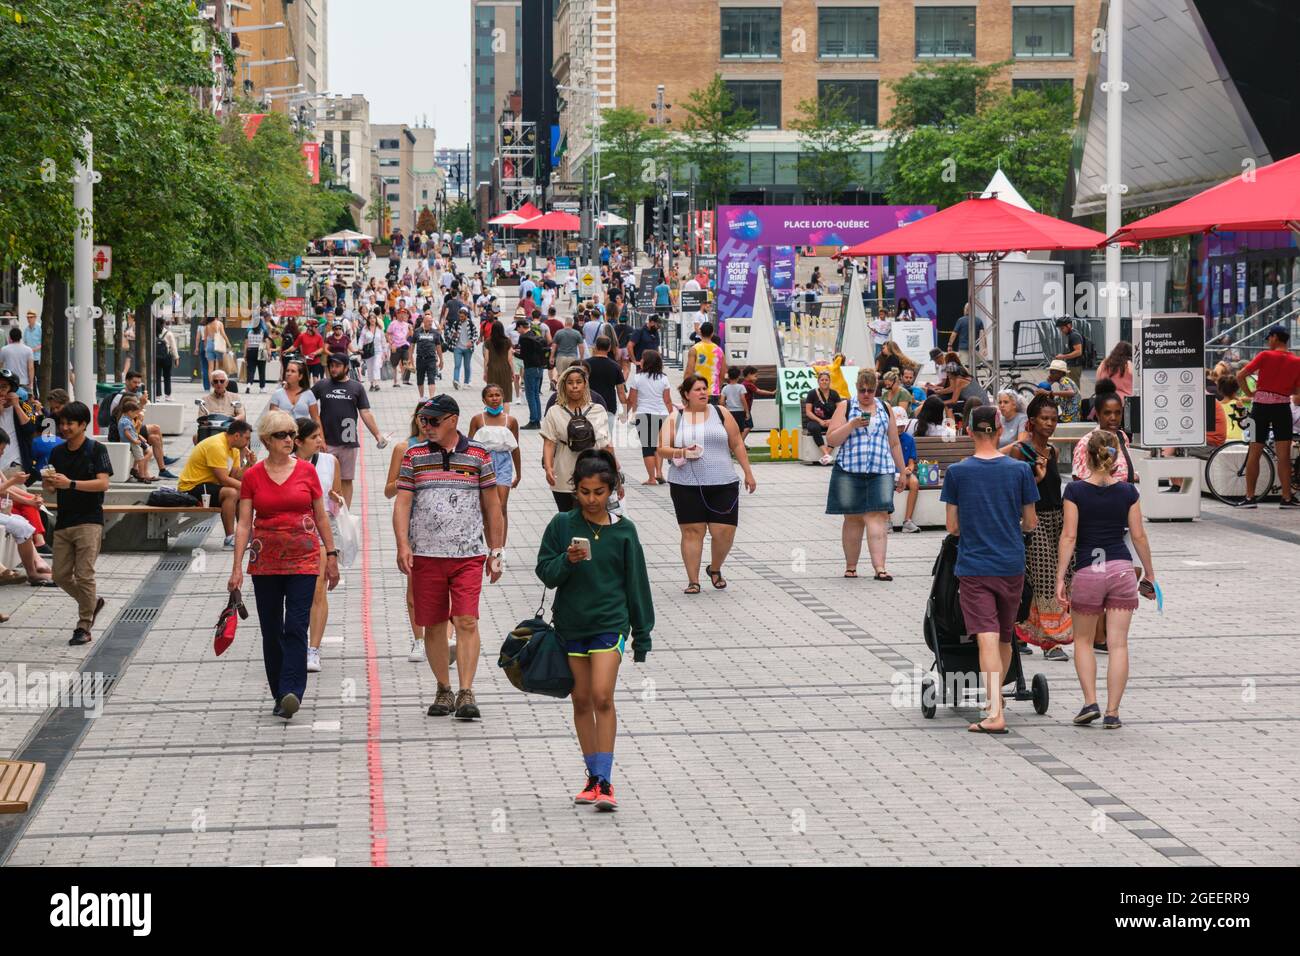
(589, 792)
(605, 797)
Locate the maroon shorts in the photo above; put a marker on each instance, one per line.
(989, 604)
(445, 588)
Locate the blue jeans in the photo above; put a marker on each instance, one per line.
(283, 611)
(203, 368)
(465, 356)
(533, 392)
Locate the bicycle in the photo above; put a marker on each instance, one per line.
(1009, 380)
(1225, 472)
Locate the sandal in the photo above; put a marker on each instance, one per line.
(692, 588)
(850, 572)
(982, 728)
(884, 576)
(715, 577)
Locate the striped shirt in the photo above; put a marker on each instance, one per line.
(446, 514)
(866, 450)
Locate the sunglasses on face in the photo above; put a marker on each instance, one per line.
(281, 436)
(866, 391)
(431, 422)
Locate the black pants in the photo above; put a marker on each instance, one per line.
(563, 500)
(426, 370)
(162, 379)
(283, 610)
(254, 364)
(816, 431)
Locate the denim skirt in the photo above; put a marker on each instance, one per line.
(851, 493)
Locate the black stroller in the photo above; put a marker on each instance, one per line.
(956, 653)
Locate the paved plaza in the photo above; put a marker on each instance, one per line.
(773, 723)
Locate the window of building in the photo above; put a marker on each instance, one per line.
(345, 145)
(762, 168)
(751, 33)
(787, 169)
(9, 289)
(311, 57)
(1062, 87)
(945, 31)
(850, 32)
(393, 197)
(389, 163)
(761, 97)
(859, 97)
(391, 180)
(388, 144)
(311, 27)
(1042, 31)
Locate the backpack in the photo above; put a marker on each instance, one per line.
(580, 434)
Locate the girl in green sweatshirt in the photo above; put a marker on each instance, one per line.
(594, 561)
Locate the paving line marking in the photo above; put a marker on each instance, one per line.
(374, 754)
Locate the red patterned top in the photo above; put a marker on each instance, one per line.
(285, 539)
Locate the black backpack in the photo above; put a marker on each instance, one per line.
(580, 434)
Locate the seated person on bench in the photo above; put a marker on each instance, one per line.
(22, 529)
(150, 433)
(220, 401)
(215, 467)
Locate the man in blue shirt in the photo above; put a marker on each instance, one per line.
(663, 298)
(960, 339)
(990, 500)
(32, 335)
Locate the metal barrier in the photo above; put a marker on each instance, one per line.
(670, 333)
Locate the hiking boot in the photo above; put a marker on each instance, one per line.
(444, 703)
(590, 791)
(466, 708)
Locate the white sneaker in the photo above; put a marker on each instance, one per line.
(229, 543)
(451, 652)
(910, 527)
(417, 651)
(826, 459)
(313, 660)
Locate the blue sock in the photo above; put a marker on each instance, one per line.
(590, 761)
(604, 764)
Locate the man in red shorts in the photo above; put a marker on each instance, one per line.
(1277, 372)
(446, 507)
(990, 499)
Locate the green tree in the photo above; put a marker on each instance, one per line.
(380, 208)
(831, 144)
(713, 127)
(632, 149)
(1027, 133)
(941, 95)
(461, 216)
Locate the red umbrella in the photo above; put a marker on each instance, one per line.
(528, 211)
(1266, 200)
(979, 226)
(553, 222)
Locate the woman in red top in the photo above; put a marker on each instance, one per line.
(312, 347)
(1277, 378)
(282, 513)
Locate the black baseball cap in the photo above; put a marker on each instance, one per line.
(439, 406)
(983, 419)
(340, 357)
(1281, 332)
(1065, 320)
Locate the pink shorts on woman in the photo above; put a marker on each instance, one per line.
(1110, 586)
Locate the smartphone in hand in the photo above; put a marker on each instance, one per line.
(584, 545)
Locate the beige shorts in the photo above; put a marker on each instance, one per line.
(347, 462)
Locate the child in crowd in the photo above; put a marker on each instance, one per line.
(130, 422)
(733, 398)
(908, 444)
(752, 391)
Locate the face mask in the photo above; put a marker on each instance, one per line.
(494, 411)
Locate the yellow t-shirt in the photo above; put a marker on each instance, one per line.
(212, 452)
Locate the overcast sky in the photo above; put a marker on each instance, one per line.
(408, 57)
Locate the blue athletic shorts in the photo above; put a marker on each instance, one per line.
(596, 644)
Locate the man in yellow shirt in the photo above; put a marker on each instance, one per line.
(707, 360)
(214, 468)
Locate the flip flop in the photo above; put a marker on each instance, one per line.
(850, 572)
(692, 588)
(981, 729)
(884, 576)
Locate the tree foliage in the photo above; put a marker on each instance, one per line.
(632, 149)
(710, 132)
(831, 143)
(461, 216)
(426, 221)
(1026, 133)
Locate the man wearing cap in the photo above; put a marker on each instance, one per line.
(448, 524)
(32, 335)
(1073, 354)
(342, 401)
(990, 506)
(428, 353)
(643, 340)
(1064, 389)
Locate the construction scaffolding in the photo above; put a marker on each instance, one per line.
(516, 155)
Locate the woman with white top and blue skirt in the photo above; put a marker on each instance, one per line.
(699, 441)
(868, 470)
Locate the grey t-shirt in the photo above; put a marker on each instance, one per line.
(567, 341)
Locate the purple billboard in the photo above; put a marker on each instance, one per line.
(753, 236)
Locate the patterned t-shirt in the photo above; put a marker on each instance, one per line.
(446, 516)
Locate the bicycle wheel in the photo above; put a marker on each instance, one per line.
(1225, 472)
(1027, 392)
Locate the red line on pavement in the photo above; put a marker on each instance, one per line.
(374, 757)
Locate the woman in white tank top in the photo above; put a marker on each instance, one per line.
(310, 446)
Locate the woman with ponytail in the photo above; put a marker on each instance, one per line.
(594, 561)
(1097, 511)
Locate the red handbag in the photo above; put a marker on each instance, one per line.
(228, 622)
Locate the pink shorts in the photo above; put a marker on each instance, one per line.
(347, 462)
(1111, 586)
(445, 588)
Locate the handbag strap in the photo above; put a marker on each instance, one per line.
(541, 606)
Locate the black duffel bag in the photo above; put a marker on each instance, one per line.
(171, 498)
(534, 658)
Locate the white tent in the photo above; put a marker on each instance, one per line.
(608, 219)
(763, 348)
(344, 235)
(1001, 187)
(855, 343)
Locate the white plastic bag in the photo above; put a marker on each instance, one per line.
(349, 542)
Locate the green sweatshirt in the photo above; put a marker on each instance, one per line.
(608, 594)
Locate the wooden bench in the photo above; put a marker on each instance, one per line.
(19, 781)
(145, 527)
(930, 511)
